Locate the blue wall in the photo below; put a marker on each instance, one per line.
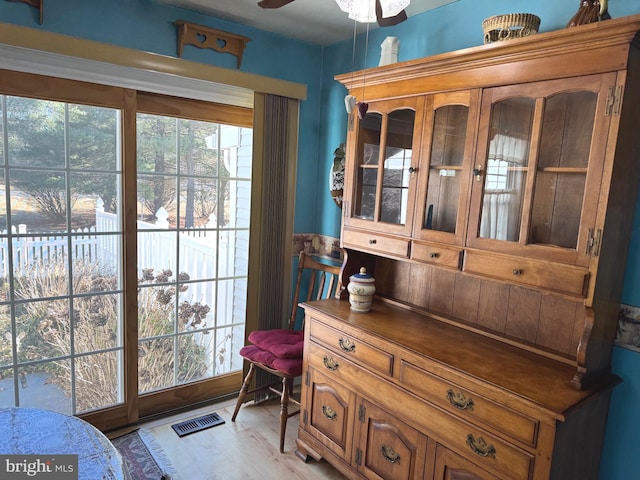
(146, 25)
(621, 458)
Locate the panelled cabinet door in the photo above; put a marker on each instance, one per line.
(539, 164)
(445, 169)
(450, 466)
(380, 174)
(387, 447)
(330, 415)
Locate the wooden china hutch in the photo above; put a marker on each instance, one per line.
(490, 192)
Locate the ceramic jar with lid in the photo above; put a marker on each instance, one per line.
(361, 289)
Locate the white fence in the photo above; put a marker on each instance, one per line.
(204, 254)
(29, 251)
(200, 250)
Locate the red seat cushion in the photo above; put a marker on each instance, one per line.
(281, 342)
(290, 366)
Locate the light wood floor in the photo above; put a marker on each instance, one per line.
(244, 449)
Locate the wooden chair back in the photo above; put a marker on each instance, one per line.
(321, 280)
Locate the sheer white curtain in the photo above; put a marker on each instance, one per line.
(503, 187)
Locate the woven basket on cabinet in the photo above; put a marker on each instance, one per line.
(512, 25)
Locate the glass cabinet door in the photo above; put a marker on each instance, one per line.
(507, 162)
(445, 168)
(384, 167)
(540, 169)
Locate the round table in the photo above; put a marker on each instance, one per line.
(32, 431)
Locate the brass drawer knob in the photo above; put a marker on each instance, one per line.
(372, 241)
(434, 254)
(517, 272)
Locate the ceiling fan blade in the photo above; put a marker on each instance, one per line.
(273, 3)
(389, 21)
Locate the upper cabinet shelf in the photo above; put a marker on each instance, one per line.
(513, 162)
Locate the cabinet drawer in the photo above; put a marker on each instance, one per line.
(335, 367)
(488, 451)
(397, 247)
(551, 276)
(436, 254)
(352, 349)
(468, 405)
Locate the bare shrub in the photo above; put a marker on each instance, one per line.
(48, 331)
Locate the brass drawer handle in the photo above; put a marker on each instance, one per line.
(481, 447)
(330, 363)
(517, 272)
(458, 400)
(373, 241)
(434, 255)
(329, 412)
(389, 454)
(346, 345)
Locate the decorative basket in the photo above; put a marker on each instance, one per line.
(512, 25)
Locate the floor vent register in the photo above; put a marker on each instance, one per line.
(197, 424)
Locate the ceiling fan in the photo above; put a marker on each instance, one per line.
(382, 21)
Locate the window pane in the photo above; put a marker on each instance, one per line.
(194, 309)
(195, 358)
(95, 323)
(45, 326)
(93, 138)
(98, 381)
(157, 200)
(36, 132)
(37, 388)
(157, 144)
(38, 200)
(155, 364)
(95, 201)
(200, 203)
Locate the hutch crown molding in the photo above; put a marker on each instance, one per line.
(490, 192)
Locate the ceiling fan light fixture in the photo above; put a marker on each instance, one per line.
(391, 8)
(364, 11)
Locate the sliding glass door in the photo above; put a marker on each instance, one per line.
(61, 299)
(124, 233)
(194, 189)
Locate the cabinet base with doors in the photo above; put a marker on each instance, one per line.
(490, 192)
(395, 394)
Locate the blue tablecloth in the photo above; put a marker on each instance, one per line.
(41, 432)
